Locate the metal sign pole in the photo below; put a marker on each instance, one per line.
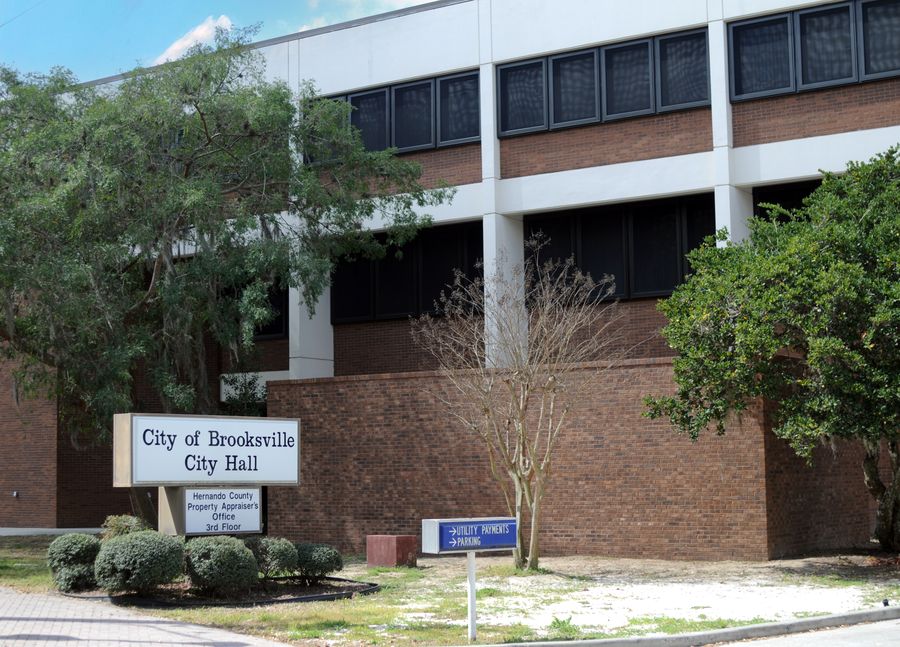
(470, 563)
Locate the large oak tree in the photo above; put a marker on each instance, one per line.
(144, 222)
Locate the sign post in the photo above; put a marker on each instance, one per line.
(489, 534)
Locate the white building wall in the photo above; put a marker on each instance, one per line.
(479, 34)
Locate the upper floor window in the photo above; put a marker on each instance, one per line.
(813, 48)
(640, 77)
(418, 115)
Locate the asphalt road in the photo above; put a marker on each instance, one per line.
(875, 634)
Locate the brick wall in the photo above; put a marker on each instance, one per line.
(387, 346)
(641, 138)
(379, 454)
(822, 112)
(454, 165)
(85, 495)
(816, 507)
(28, 459)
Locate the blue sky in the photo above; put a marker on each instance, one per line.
(97, 38)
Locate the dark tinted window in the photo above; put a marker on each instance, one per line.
(826, 46)
(654, 242)
(881, 36)
(762, 56)
(574, 89)
(413, 116)
(459, 108)
(700, 222)
(395, 283)
(522, 97)
(558, 233)
(627, 79)
(683, 65)
(370, 116)
(442, 253)
(351, 291)
(790, 196)
(278, 326)
(603, 246)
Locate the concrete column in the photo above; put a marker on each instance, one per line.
(504, 254)
(311, 339)
(733, 204)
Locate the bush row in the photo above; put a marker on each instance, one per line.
(140, 560)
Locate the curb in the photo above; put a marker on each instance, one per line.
(731, 635)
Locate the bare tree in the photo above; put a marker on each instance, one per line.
(518, 349)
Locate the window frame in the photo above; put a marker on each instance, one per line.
(370, 316)
(439, 143)
(734, 96)
(658, 77)
(393, 117)
(798, 47)
(861, 47)
(498, 90)
(284, 315)
(598, 92)
(678, 210)
(648, 42)
(388, 131)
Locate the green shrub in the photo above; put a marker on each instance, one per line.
(220, 565)
(117, 525)
(273, 554)
(78, 577)
(71, 558)
(139, 561)
(315, 561)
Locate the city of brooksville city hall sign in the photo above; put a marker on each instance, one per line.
(175, 450)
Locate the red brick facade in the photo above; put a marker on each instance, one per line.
(823, 112)
(629, 140)
(452, 166)
(380, 453)
(28, 458)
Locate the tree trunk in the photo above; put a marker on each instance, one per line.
(887, 497)
(518, 552)
(534, 550)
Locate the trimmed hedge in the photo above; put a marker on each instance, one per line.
(273, 555)
(71, 559)
(220, 565)
(116, 525)
(315, 561)
(139, 561)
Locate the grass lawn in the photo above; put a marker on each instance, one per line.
(23, 563)
(570, 598)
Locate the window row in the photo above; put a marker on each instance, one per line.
(642, 245)
(835, 44)
(418, 115)
(623, 80)
(409, 284)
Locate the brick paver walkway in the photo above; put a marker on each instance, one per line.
(34, 620)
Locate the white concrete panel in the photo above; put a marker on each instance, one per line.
(607, 184)
(801, 159)
(735, 9)
(422, 44)
(733, 207)
(469, 202)
(530, 27)
(718, 84)
(263, 376)
(277, 60)
(311, 337)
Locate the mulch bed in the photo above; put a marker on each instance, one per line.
(277, 591)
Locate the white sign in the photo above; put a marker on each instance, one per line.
(209, 511)
(171, 450)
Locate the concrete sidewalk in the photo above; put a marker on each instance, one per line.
(28, 532)
(33, 620)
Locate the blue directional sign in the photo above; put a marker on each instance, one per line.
(468, 535)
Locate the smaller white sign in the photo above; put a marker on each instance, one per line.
(214, 511)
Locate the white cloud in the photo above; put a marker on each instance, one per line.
(313, 4)
(318, 21)
(202, 33)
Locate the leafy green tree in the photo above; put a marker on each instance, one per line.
(144, 222)
(804, 313)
